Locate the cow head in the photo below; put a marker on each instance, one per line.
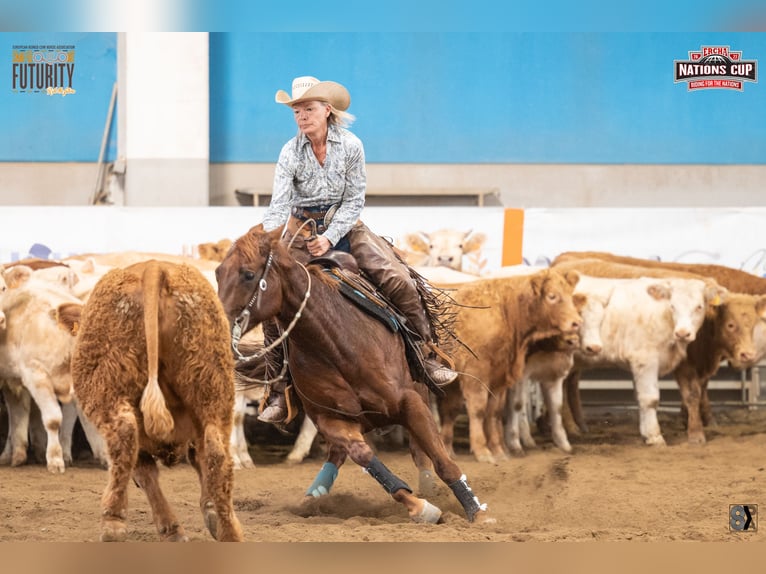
(445, 247)
(592, 311)
(735, 322)
(552, 301)
(17, 275)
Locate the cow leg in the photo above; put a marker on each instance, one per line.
(689, 386)
(525, 431)
(516, 415)
(448, 406)
(572, 384)
(18, 402)
(648, 397)
(302, 446)
(95, 440)
(423, 431)
(238, 447)
(212, 461)
(146, 476)
(120, 431)
(476, 406)
(553, 395)
(41, 389)
(68, 420)
(706, 411)
(494, 424)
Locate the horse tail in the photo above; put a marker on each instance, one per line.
(158, 422)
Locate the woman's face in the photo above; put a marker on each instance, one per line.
(311, 118)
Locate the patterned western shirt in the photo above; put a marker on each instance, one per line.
(299, 180)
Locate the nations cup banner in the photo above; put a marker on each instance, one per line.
(43, 70)
(715, 67)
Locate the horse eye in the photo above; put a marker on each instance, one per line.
(247, 275)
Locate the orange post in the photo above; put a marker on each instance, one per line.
(513, 235)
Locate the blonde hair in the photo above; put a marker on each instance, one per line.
(339, 118)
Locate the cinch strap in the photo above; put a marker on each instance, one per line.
(385, 477)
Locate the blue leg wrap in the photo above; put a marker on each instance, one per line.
(385, 477)
(323, 481)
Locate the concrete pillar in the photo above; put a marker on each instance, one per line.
(163, 104)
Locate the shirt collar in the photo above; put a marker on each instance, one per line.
(333, 135)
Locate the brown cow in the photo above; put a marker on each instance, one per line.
(728, 332)
(498, 319)
(153, 370)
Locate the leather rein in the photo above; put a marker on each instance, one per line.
(240, 323)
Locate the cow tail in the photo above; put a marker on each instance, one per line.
(158, 422)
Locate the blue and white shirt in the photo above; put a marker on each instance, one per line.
(299, 180)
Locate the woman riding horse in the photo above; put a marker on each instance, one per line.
(350, 370)
(321, 176)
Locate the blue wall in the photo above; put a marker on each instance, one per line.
(41, 127)
(465, 97)
(492, 97)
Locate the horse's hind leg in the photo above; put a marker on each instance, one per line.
(420, 423)
(349, 436)
(214, 466)
(146, 476)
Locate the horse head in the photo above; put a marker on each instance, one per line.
(248, 285)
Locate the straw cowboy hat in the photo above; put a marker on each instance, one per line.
(307, 88)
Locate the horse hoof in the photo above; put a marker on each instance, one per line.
(483, 517)
(429, 515)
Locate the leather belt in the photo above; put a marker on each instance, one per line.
(314, 212)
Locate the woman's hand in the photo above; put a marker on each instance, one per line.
(318, 246)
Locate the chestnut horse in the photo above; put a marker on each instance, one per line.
(349, 370)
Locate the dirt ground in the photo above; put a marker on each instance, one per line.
(612, 488)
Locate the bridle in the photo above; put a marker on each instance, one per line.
(239, 326)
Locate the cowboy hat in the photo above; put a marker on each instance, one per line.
(307, 88)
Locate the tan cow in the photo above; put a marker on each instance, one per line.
(442, 248)
(727, 333)
(548, 363)
(498, 319)
(153, 370)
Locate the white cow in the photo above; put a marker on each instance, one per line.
(35, 354)
(76, 278)
(444, 248)
(647, 327)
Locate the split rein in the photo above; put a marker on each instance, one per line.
(242, 320)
